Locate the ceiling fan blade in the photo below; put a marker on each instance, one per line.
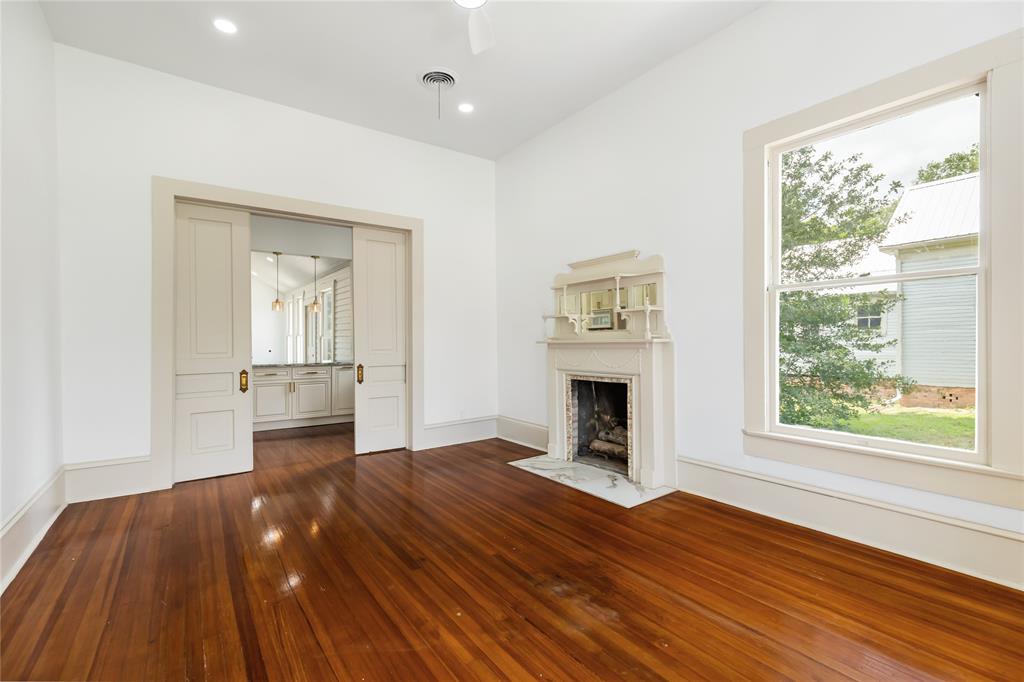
(481, 33)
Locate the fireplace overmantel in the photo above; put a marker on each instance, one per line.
(609, 325)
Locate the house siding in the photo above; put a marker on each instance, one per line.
(939, 319)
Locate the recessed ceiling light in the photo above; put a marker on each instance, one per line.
(466, 108)
(471, 4)
(225, 26)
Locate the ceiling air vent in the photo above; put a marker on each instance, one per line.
(438, 79)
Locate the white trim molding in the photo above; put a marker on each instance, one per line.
(995, 473)
(982, 551)
(522, 432)
(20, 536)
(99, 480)
(440, 434)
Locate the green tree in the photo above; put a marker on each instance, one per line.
(833, 211)
(957, 163)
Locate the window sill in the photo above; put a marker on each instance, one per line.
(947, 477)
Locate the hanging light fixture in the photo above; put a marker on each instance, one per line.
(314, 307)
(278, 305)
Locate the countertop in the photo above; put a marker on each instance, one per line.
(303, 364)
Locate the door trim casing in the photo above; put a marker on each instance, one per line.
(166, 192)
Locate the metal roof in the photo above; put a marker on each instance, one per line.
(936, 210)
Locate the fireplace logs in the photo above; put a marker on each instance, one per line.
(605, 448)
(617, 435)
(601, 419)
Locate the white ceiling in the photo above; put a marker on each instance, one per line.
(296, 271)
(361, 61)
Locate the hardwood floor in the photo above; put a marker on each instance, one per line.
(448, 564)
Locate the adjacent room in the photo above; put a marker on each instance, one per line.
(501, 339)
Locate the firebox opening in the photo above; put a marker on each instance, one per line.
(602, 424)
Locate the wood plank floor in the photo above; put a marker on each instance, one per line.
(449, 564)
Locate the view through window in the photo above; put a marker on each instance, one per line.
(876, 278)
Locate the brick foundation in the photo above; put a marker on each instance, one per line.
(939, 396)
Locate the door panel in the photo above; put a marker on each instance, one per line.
(213, 417)
(213, 431)
(380, 299)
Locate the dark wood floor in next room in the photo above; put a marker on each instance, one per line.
(449, 564)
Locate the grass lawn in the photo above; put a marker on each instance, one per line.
(950, 428)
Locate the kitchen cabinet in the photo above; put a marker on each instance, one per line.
(343, 391)
(302, 392)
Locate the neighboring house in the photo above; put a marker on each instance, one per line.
(935, 225)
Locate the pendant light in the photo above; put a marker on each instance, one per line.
(278, 305)
(314, 307)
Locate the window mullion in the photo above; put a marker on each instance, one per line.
(890, 278)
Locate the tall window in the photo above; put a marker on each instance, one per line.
(874, 291)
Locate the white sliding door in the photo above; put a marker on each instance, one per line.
(213, 415)
(379, 267)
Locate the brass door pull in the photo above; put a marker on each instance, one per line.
(359, 374)
(243, 381)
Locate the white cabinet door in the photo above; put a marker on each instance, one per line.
(270, 402)
(380, 313)
(343, 393)
(212, 416)
(311, 399)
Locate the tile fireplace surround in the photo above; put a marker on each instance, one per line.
(646, 368)
(572, 413)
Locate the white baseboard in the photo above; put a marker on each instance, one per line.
(523, 433)
(20, 536)
(458, 431)
(108, 478)
(990, 553)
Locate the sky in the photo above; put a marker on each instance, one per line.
(899, 147)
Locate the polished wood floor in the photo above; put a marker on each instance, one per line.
(449, 564)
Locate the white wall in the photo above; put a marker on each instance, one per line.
(269, 328)
(656, 165)
(30, 305)
(120, 124)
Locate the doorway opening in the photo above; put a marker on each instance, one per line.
(303, 363)
(327, 344)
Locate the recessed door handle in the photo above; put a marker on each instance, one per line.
(243, 381)
(359, 374)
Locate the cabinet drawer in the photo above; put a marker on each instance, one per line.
(264, 374)
(299, 373)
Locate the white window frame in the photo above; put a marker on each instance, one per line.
(995, 472)
(776, 286)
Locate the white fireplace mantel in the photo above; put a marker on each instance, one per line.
(636, 349)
